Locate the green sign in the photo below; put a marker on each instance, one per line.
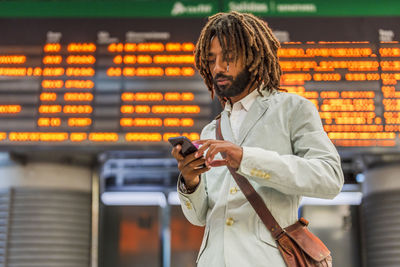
(108, 8)
(204, 8)
(289, 8)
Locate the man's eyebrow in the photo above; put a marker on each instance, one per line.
(227, 51)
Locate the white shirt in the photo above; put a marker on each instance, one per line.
(239, 110)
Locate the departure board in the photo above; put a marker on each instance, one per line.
(83, 91)
(138, 88)
(130, 83)
(353, 85)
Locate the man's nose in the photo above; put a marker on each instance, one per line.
(220, 66)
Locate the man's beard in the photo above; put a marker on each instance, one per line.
(237, 86)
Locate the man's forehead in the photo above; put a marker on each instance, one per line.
(228, 49)
(223, 39)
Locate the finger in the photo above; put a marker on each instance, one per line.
(214, 150)
(175, 152)
(218, 163)
(190, 158)
(201, 170)
(200, 142)
(205, 145)
(203, 148)
(195, 172)
(196, 163)
(197, 143)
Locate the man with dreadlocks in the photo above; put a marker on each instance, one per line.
(272, 138)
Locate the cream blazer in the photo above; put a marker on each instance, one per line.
(286, 155)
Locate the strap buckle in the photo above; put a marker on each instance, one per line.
(275, 234)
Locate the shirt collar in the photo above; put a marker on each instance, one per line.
(246, 101)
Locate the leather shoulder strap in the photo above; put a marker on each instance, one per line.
(252, 196)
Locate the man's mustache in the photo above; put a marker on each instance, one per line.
(222, 76)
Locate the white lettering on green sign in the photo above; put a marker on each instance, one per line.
(180, 9)
(310, 8)
(248, 7)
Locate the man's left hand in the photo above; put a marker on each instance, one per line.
(233, 153)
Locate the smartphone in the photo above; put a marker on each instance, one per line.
(187, 146)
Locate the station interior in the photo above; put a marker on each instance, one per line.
(91, 90)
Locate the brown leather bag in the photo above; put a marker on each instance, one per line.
(298, 246)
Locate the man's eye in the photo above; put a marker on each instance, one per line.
(211, 61)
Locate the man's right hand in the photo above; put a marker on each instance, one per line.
(190, 167)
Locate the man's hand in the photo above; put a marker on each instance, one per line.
(234, 153)
(190, 166)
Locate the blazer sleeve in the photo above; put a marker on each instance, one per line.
(194, 205)
(312, 170)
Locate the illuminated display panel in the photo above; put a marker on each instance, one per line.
(135, 85)
(353, 85)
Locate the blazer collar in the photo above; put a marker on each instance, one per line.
(256, 111)
(226, 128)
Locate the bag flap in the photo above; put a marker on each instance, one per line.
(307, 241)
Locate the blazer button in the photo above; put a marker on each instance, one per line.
(233, 190)
(229, 221)
(188, 205)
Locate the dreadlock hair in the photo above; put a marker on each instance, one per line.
(247, 36)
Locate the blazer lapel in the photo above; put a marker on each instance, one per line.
(226, 128)
(256, 111)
